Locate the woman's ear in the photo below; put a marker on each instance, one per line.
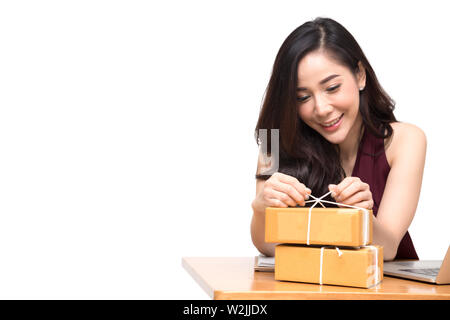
(361, 76)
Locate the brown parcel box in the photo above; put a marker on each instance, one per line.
(328, 226)
(347, 267)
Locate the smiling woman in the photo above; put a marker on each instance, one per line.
(324, 103)
(337, 133)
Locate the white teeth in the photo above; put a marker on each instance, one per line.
(333, 123)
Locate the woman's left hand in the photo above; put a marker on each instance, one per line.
(352, 191)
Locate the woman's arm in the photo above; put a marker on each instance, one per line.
(406, 157)
(258, 225)
(280, 190)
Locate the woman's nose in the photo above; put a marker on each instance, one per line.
(322, 107)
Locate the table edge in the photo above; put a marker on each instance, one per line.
(200, 281)
(298, 295)
(282, 295)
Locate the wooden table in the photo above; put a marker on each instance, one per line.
(234, 278)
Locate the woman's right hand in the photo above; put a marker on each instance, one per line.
(280, 190)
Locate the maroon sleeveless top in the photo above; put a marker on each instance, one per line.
(372, 167)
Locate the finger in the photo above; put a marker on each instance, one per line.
(300, 187)
(291, 180)
(332, 189)
(365, 204)
(290, 190)
(347, 193)
(276, 203)
(355, 186)
(358, 197)
(283, 197)
(342, 186)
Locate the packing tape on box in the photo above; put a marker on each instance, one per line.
(319, 201)
(373, 267)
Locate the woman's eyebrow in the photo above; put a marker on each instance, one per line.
(321, 81)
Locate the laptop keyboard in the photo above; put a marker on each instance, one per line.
(428, 271)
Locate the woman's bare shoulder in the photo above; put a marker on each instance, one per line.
(405, 136)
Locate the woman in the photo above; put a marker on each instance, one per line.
(338, 133)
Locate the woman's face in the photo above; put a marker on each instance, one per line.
(328, 96)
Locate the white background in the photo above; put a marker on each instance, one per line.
(126, 133)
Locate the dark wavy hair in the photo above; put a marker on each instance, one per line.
(303, 152)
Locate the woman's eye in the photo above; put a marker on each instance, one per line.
(333, 88)
(302, 99)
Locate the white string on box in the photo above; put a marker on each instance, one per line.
(321, 260)
(321, 265)
(319, 201)
(375, 264)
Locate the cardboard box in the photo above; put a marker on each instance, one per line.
(327, 226)
(361, 267)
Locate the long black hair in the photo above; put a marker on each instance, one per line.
(303, 152)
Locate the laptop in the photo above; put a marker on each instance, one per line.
(432, 271)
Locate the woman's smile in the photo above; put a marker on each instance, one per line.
(333, 124)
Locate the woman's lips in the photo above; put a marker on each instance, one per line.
(334, 126)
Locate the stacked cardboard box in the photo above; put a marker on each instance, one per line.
(325, 246)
